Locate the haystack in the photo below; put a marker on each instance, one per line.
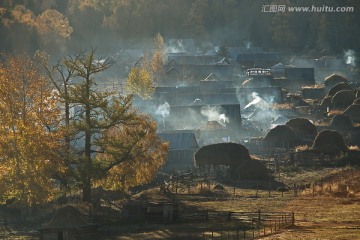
(343, 98)
(302, 124)
(281, 133)
(252, 170)
(329, 142)
(333, 79)
(357, 101)
(341, 121)
(229, 154)
(326, 102)
(338, 87)
(353, 111)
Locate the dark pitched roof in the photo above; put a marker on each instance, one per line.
(180, 141)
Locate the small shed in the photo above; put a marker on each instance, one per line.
(183, 145)
(68, 224)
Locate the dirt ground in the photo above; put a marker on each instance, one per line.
(329, 209)
(318, 214)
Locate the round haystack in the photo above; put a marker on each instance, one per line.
(67, 217)
(343, 98)
(333, 79)
(302, 124)
(229, 154)
(329, 142)
(341, 121)
(338, 87)
(252, 170)
(326, 102)
(353, 111)
(357, 101)
(281, 133)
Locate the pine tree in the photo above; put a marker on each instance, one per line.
(98, 114)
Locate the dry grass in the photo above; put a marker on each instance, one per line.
(301, 148)
(335, 112)
(318, 216)
(282, 106)
(316, 86)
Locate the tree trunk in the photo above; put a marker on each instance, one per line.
(86, 191)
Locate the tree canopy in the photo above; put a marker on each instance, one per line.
(76, 23)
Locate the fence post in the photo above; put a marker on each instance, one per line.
(264, 230)
(292, 219)
(244, 234)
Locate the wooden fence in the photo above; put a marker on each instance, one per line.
(240, 225)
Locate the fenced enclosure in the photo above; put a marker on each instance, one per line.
(239, 225)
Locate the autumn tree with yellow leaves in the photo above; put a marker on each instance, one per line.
(29, 137)
(112, 139)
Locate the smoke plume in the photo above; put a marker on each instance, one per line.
(257, 102)
(163, 110)
(350, 58)
(213, 113)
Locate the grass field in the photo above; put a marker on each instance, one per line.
(320, 213)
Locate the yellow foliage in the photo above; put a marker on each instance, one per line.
(28, 137)
(140, 82)
(53, 22)
(132, 154)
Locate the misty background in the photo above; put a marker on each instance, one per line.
(57, 26)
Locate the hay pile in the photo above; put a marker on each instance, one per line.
(333, 79)
(304, 130)
(252, 170)
(329, 142)
(343, 98)
(302, 124)
(67, 217)
(229, 154)
(341, 121)
(234, 155)
(326, 102)
(281, 133)
(357, 101)
(338, 87)
(353, 111)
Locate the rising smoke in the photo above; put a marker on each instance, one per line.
(258, 102)
(263, 114)
(349, 57)
(163, 111)
(213, 113)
